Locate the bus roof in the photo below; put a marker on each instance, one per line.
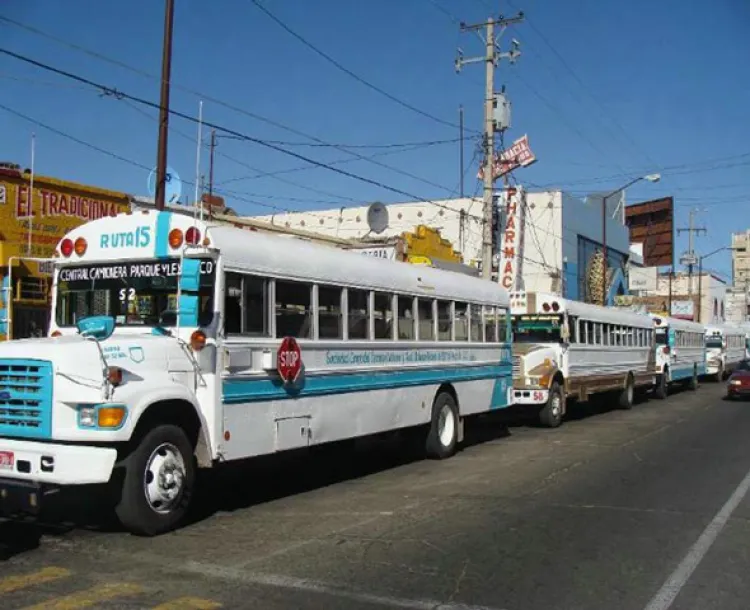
(144, 235)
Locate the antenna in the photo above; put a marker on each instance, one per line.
(377, 217)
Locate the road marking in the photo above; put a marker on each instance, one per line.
(14, 583)
(189, 603)
(89, 598)
(314, 586)
(673, 585)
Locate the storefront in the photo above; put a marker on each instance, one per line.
(30, 228)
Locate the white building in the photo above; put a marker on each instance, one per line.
(558, 247)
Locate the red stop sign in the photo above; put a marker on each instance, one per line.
(289, 360)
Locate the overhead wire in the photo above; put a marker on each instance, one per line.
(122, 94)
(338, 65)
(205, 97)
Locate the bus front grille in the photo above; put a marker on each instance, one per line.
(25, 398)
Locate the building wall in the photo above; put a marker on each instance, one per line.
(737, 305)
(713, 301)
(554, 224)
(459, 221)
(56, 207)
(741, 259)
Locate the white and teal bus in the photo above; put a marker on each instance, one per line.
(680, 353)
(177, 344)
(725, 349)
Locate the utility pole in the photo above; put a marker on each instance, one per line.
(166, 69)
(492, 55)
(461, 151)
(211, 166)
(689, 258)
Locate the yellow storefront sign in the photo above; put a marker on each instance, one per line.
(31, 225)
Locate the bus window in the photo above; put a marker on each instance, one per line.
(383, 315)
(426, 320)
(445, 320)
(293, 309)
(406, 318)
(330, 321)
(358, 314)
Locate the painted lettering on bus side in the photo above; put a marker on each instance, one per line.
(139, 238)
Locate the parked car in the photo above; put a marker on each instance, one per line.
(738, 384)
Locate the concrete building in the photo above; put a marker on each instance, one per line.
(701, 298)
(741, 259)
(552, 240)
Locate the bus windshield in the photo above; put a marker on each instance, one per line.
(536, 329)
(135, 293)
(713, 341)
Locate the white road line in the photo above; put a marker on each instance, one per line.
(673, 585)
(315, 586)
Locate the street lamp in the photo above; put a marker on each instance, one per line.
(647, 177)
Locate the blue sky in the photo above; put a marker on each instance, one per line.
(605, 90)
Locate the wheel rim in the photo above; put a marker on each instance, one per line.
(164, 478)
(446, 425)
(556, 405)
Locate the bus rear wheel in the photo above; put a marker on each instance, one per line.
(627, 396)
(442, 437)
(158, 483)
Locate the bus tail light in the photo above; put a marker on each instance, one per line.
(55, 333)
(545, 306)
(114, 375)
(175, 239)
(555, 306)
(193, 236)
(198, 340)
(80, 246)
(66, 247)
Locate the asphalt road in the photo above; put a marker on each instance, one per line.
(614, 510)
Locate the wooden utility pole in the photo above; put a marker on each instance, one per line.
(166, 69)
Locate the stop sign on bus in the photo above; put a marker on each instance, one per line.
(289, 360)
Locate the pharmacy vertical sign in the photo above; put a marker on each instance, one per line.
(511, 242)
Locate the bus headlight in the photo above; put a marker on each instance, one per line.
(102, 417)
(87, 417)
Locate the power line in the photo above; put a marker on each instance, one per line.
(203, 96)
(123, 95)
(347, 71)
(583, 87)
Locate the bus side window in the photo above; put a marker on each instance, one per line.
(461, 322)
(330, 321)
(502, 325)
(255, 306)
(406, 317)
(293, 309)
(445, 320)
(358, 314)
(383, 315)
(233, 304)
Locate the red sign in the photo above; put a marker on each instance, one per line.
(518, 155)
(289, 360)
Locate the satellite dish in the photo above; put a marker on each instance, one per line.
(377, 217)
(173, 185)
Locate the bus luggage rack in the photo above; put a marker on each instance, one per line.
(25, 398)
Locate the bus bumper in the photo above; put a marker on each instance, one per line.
(55, 464)
(530, 396)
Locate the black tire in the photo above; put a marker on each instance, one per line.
(693, 383)
(135, 511)
(662, 387)
(552, 413)
(628, 394)
(442, 437)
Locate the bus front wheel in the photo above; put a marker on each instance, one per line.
(552, 413)
(158, 482)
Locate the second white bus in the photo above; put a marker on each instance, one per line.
(680, 353)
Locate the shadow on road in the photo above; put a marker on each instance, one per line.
(240, 485)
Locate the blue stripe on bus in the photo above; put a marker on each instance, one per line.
(161, 244)
(236, 391)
